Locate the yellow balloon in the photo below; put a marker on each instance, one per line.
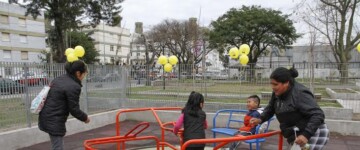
(71, 57)
(69, 50)
(173, 60)
(167, 67)
(162, 60)
(244, 59)
(358, 47)
(244, 49)
(234, 53)
(79, 51)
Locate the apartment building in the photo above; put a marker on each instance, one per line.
(112, 42)
(22, 38)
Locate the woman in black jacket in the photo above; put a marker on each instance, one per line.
(62, 99)
(301, 119)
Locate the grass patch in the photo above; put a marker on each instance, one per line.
(13, 113)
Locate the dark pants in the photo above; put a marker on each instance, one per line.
(57, 142)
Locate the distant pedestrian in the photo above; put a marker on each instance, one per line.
(62, 100)
(194, 120)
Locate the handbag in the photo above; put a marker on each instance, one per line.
(38, 102)
(295, 147)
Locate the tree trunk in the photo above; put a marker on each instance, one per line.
(148, 81)
(344, 72)
(60, 44)
(252, 76)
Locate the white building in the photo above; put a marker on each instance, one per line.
(137, 51)
(22, 39)
(213, 62)
(112, 42)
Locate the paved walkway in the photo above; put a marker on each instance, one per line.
(75, 142)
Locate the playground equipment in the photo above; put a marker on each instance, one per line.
(132, 135)
(228, 130)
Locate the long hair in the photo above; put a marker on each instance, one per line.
(193, 104)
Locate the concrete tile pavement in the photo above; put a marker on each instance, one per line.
(75, 141)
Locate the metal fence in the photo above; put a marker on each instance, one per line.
(150, 86)
(112, 87)
(103, 90)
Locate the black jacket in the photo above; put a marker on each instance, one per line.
(194, 127)
(296, 107)
(62, 99)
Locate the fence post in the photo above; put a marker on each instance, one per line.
(86, 100)
(27, 98)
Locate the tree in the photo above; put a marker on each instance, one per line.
(256, 26)
(335, 20)
(69, 14)
(83, 39)
(78, 38)
(177, 37)
(173, 37)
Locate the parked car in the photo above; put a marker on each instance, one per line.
(93, 78)
(111, 77)
(153, 75)
(221, 76)
(101, 78)
(32, 78)
(8, 86)
(169, 75)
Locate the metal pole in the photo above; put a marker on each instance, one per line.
(86, 100)
(163, 72)
(204, 66)
(27, 98)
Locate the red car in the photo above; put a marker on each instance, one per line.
(32, 78)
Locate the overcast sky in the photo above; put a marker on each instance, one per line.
(152, 12)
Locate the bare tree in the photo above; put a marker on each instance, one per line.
(335, 20)
(312, 43)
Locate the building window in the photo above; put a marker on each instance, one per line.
(24, 55)
(4, 19)
(5, 37)
(23, 38)
(137, 54)
(119, 37)
(119, 49)
(112, 60)
(7, 54)
(111, 48)
(22, 22)
(8, 71)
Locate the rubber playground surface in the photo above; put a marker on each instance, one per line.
(75, 141)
